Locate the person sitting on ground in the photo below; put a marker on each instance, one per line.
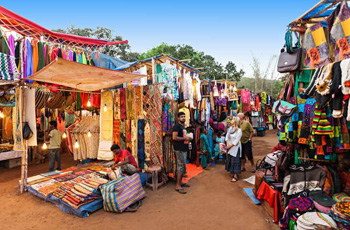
(205, 148)
(124, 160)
(233, 143)
(246, 140)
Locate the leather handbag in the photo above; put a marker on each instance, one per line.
(289, 62)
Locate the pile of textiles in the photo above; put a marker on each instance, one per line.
(295, 208)
(340, 212)
(79, 131)
(315, 220)
(341, 197)
(47, 187)
(81, 190)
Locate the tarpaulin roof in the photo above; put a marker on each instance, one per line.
(80, 76)
(25, 27)
(322, 9)
(106, 61)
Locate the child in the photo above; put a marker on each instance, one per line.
(220, 147)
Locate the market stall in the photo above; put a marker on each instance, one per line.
(305, 178)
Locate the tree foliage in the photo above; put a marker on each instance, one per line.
(212, 68)
(121, 51)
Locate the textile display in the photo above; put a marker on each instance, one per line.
(41, 98)
(8, 68)
(122, 135)
(7, 124)
(122, 104)
(116, 132)
(169, 160)
(119, 194)
(29, 97)
(168, 75)
(89, 146)
(153, 112)
(17, 122)
(147, 142)
(130, 106)
(55, 102)
(128, 134)
(106, 130)
(134, 146)
(168, 113)
(116, 104)
(141, 143)
(316, 46)
(138, 103)
(340, 33)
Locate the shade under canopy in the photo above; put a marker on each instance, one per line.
(80, 76)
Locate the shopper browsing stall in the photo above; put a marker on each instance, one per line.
(180, 140)
(55, 146)
(205, 148)
(124, 160)
(234, 148)
(246, 140)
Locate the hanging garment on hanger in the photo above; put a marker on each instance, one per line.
(29, 59)
(35, 56)
(41, 54)
(141, 143)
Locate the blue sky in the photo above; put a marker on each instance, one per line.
(228, 30)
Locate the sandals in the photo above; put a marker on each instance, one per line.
(181, 191)
(185, 185)
(234, 180)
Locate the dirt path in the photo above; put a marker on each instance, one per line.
(213, 202)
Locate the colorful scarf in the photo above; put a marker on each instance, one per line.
(134, 139)
(116, 132)
(128, 134)
(122, 104)
(130, 107)
(138, 102)
(117, 104)
(141, 143)
(122, 135)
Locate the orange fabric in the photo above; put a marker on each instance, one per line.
(35, 56)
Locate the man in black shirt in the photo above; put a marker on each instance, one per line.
(180, 148)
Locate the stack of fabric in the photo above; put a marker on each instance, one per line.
(322, 201)
(340, 212)
(341, 197)
(315, 220)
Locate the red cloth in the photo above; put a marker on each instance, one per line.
(277, 147)
(122, 155)
(272, 196)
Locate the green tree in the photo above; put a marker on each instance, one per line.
(121, 51)
(212, 68)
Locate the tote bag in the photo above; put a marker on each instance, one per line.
(119, 194)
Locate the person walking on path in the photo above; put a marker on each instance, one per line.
(246, 140)
(180, 140)
(55, 146)
(234, 149)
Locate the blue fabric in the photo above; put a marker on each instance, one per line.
(107, 62)
(83, 211)
(29, 59)
(320, 8)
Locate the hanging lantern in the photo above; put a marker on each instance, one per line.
(44, 146)
(89, 104)
(64, 135)
(2, 115)
(105, 108)
(76, 145)
(89, 134)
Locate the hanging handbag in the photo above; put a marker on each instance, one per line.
(27, 132)
(289, 62)
(289, 59)
(284, 108)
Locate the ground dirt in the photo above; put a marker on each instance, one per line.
(212, 202)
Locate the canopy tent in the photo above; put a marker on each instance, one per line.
(317, 13)
(82, 77)
(25, 27)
